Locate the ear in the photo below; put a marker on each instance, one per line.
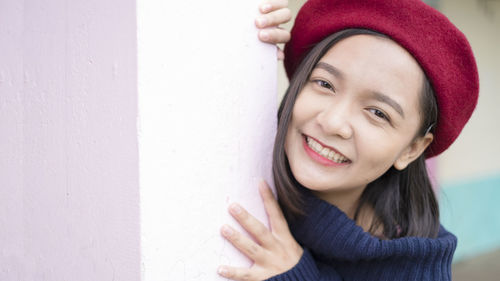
(413, 151)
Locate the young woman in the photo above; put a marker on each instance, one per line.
(376, 88)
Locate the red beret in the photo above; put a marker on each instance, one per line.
(440, 48)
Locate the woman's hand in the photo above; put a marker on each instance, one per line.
(273, 13)
(275, 251)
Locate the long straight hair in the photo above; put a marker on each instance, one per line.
(403, 201)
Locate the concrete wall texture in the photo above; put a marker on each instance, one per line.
(207, 119)
(69, 197)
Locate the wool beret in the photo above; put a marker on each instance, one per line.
(438, 46)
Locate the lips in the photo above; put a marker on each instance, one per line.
(318, 149)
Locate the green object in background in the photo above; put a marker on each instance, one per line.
(471, 210)
(433, 3)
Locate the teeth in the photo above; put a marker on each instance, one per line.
(318, 146)
(325, 152)
(331, 154)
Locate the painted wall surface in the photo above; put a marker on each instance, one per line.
(469, 172)
(469, 208)
(69, 196)
(207, 118)
(475, 153)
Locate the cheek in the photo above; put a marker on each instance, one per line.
(302, 114)
(307, 104)
(291, 133)
(299, 112)
(379, 150)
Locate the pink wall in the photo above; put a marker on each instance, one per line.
(69, 195)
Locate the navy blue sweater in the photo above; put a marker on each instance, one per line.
(335, 248)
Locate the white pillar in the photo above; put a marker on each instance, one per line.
(207, 118)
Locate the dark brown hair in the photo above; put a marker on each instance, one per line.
(403, 201)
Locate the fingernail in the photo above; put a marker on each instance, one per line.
(223, 271)
(266, 7)
(264, 35)
(261, 21)
(227, 231)
(236, 209)
(262, 182)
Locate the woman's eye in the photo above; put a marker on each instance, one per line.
(324, 84)
(379, 114)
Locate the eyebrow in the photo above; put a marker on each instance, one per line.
(330, 69)
(389, 101)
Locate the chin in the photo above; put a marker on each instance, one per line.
(311, 182)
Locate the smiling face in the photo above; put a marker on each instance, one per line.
(356, 116)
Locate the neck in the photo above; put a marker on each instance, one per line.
(345, 200)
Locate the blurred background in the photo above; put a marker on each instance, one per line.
(467, 175)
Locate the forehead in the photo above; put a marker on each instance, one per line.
(375, 64)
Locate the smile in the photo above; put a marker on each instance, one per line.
(325, 152)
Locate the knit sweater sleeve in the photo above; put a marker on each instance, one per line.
(308, 269)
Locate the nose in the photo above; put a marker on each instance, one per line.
(335, 119)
